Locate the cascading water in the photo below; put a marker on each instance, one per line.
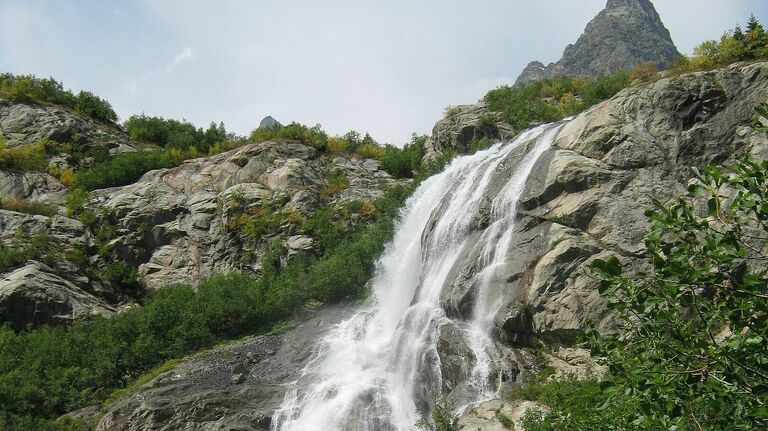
(378, 370)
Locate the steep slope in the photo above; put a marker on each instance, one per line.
(584, 199)
(623, 35)
(180, 225)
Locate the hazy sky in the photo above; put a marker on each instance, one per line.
(388, 67)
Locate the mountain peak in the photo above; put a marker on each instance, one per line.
(623, 35)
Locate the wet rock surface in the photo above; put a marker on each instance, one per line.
(236, 387)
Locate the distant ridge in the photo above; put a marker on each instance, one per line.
(623, 35)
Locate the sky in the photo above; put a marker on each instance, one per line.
(387, 67)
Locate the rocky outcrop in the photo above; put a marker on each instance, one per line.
(35, 295)
(26, 124)
(623, 35)
(587, 195)
(463, 124)
(55, 292)
(488, 416)
(178, 225)
(32, 186)
(237, 387)
(269, 123)
(23, 124)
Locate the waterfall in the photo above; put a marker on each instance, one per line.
(381, 369)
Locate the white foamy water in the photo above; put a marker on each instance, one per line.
(376, 370)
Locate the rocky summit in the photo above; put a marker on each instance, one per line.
(625, 34)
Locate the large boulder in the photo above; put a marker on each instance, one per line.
(623, 35)
(31, 186)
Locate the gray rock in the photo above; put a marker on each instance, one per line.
(485, 416)
(623, 35)
(586, 196)
(32, 186)
(269, 123)
(203, 394)
(177, 225)
(35, 295)
(25, 124)
(463, 124)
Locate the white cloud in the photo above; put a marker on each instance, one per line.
(185, 55)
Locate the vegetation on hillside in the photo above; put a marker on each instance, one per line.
(49, 371)
(180, 135)
(735, 45)
(548, 100)
(399, 162)
(30, 89)
(692, 351)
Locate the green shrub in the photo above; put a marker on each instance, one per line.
(576, 406)
(404, 162)
(337, 183)
(180, 135)
(37, 247)
(734, 45)
(92, 106)
(23, 158)
(552, 99)
(313, 136)
(126, 168)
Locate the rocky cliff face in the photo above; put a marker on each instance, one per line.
(587, 195)
(584, 199)
(623, 35)
(176, 224)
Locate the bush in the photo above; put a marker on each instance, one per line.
(552, 99)
(370, 151)
(575, 406)
(694, 344)
(644, 73)
(92, 106)
(24, 158)
(180, 135)
(337, 183)
(404, 162)
(734, 45)
(37, 247)
(126, 168)
(313, 136)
